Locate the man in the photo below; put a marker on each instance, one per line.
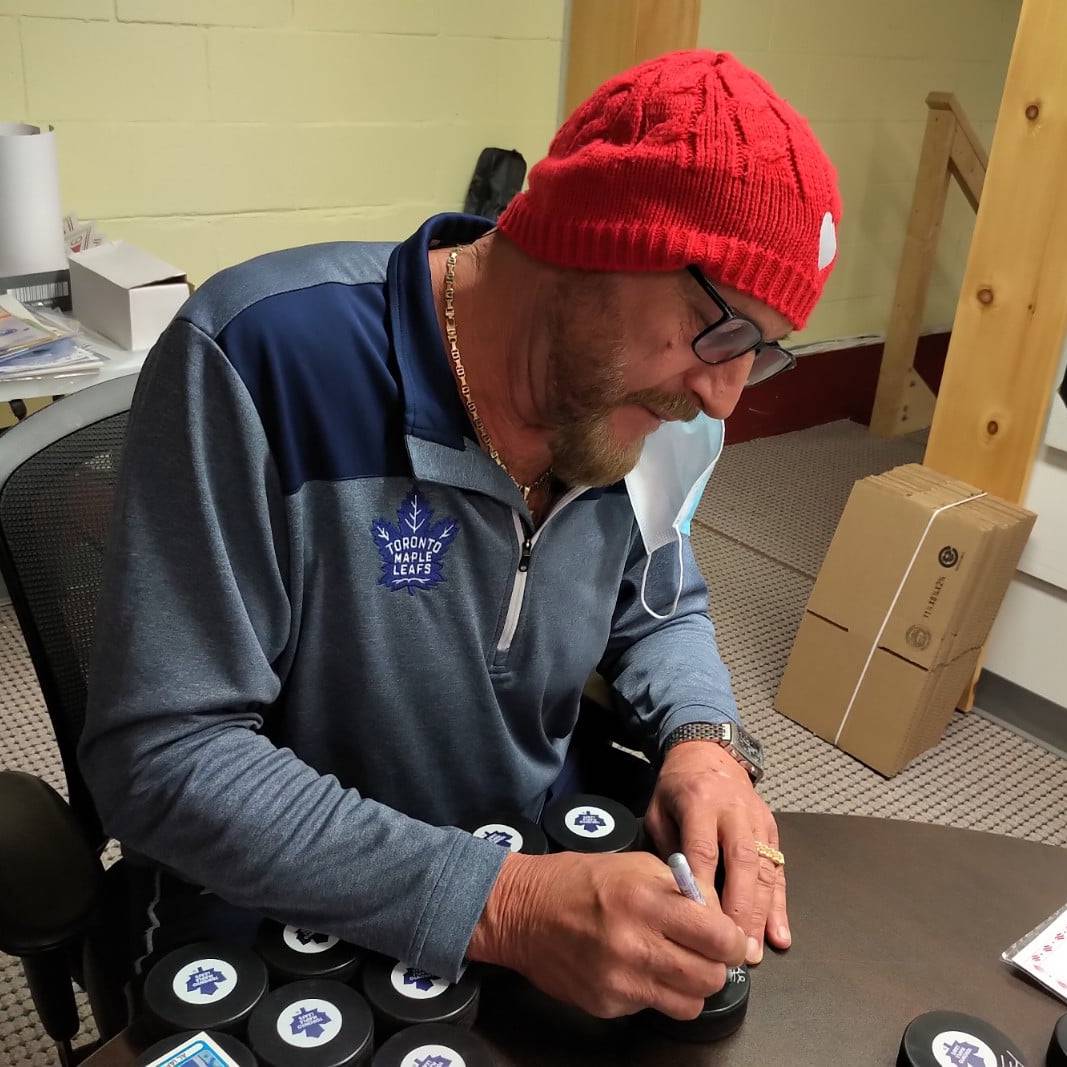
(382, 514)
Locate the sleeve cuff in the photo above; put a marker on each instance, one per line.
(443, 933)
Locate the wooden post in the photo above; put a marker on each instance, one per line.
(1012, 315)
(904, 402)
(1010, 322)
(607, 36)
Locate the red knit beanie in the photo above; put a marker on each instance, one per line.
(688, 158)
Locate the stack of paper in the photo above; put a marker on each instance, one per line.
(33, 345)
(1042, 954)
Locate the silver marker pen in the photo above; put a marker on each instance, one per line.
(683, 876)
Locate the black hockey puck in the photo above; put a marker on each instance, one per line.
(952, 1039)
(583, 822)
(1057, 1047)
(293, 954)
(722, 1015)
(434, 1045)
(210, 985)
(317, 1023)
(187, 1044)
(401, 995)
(512, 832)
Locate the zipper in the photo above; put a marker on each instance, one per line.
(518, 589)
(526, 544)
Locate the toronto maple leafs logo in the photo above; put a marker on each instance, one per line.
(499, 837)
(965, 1054)
(419, 979)
(205, 981)
(413, 550)
(435, 1059)
(309, 937)
(589, 821)
(309, 1023)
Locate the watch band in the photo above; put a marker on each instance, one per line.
(728, 735)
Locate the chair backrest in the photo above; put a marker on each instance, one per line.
(58, 474)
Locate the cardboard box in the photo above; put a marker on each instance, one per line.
(125, 293)
(898, 615)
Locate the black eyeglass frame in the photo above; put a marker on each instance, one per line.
(758, 345)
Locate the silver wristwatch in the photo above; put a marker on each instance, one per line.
(744, 748)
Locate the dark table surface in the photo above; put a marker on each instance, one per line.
(889, 920)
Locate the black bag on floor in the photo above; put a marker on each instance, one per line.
(498, 176)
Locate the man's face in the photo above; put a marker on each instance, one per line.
(621, 362)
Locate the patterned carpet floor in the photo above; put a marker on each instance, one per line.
(759, 536)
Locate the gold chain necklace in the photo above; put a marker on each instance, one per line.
(465, 389)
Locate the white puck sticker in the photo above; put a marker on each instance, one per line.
(954, 1048)
(416, 984)
(433, 1056)
(589, 822)
(501, 834)
(204, 981)
(307, 941)
(309, 1023)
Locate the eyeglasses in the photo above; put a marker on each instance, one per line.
(734, 336)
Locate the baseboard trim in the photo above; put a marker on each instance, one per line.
(1037, 718)
(833, 380)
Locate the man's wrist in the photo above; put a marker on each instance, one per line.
(687, 755)
(494, 940)
(729, 737)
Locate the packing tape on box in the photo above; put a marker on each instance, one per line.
(893, 603)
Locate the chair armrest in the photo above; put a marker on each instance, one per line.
(50, 878)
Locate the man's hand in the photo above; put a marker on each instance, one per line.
(609, 933)
(704, 801)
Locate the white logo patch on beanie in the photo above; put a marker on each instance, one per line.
(827, 241)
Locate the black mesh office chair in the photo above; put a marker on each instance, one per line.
(58, 909)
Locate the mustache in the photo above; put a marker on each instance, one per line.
(671, 407)
(667, 406)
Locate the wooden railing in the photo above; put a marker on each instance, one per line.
(904, 402)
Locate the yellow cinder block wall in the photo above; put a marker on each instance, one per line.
(860, 71)
(209, 131)
(212, 130)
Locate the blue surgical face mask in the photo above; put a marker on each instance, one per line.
(667, 483)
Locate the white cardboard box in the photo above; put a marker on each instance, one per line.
(125, 293)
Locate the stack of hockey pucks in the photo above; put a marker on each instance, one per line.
(196, 1048)
(401, 996)
(434, 1045)
(208, 985)
(1057, 1047)
(722, 1014)
(295, 954)
(584, 822)
(951, 1037)
(513, 832)
(315, 1023)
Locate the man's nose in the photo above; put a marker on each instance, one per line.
(718, 386)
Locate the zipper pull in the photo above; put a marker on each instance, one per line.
(524, 559)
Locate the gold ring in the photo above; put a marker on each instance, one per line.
(769, 853)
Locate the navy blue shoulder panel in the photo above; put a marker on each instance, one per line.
(232, 290)
(319, 366)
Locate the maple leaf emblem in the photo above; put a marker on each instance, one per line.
(309, 1023)
(419, 979)
(413, 549)
(205, 981)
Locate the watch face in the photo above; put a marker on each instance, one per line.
(749, 747)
